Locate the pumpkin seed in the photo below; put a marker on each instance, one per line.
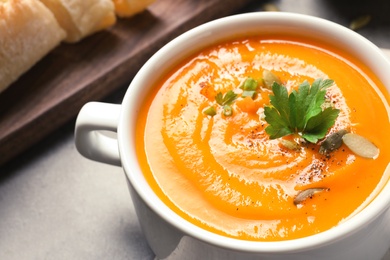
(305, 194)
(360, 22)
(361, 146)
(269, 78)
(291, 145)
(332, 142)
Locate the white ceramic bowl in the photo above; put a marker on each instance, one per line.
(365, 236)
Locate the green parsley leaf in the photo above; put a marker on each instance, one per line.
(210, 111)
(278, 126)
(228, 99)
(280, 101)
(300, 112)
(318, 126)
(219, 98)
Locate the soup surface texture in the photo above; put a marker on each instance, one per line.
(225, 174)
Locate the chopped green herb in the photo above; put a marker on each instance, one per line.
(249, 93)
(227, 110)
(219, 98)
(228, 99)
(210, 111)
(249, 84)
(300, 112)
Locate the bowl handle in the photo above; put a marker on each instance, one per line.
(95, 132)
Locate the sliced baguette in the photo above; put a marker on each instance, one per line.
(127, 8)
(28, 31)
(81, 18)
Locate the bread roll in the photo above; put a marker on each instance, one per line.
(28, 31)
(126, 8)
(81, 18)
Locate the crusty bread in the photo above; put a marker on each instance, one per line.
(81, 18)
(28, 31)
(126, 8)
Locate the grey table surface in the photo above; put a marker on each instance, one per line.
(55, 204)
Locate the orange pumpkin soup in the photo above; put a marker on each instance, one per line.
(225, 174)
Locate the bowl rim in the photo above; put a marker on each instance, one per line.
(126, 137)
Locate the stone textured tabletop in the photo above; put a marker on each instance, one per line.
(55, 204)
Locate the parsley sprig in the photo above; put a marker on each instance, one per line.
(227, 99)
(301, 112)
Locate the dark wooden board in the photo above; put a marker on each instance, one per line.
(53, 91)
